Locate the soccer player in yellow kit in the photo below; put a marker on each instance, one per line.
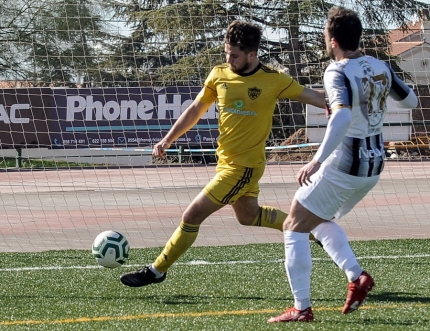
(246, 92)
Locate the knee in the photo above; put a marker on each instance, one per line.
(295, 223)
(186, 218)
(190, 218)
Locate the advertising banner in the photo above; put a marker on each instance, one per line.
(99, 117)
(24, 114)
(125, 117)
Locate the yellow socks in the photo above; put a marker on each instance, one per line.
(185, 235)
(264, 218)
(182, 239)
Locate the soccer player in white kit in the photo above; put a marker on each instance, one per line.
(346, 166)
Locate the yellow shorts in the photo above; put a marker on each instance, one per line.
(232, 182)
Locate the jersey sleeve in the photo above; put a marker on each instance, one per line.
(399, 90)
(336, 88)
(208, 93)
(291, 88)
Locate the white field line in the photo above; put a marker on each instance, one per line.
(200, 262)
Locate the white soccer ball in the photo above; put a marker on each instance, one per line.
(110, 249)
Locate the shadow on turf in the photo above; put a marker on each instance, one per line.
(164, 299)
(195, 299)
(395, 297)
(384, 297)
(399, 297)
(387, 324)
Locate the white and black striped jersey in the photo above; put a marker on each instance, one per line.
(363, 85)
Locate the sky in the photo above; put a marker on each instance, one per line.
(120, 27)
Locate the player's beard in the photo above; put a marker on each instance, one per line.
(240, 70)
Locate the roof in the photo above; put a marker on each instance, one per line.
(398, 35)
(401, 47)
(409, 37)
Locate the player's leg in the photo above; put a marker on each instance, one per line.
(313, 204)
(249, 212)
(245, 204)
(298, 263)
(185, 235)
(336, 244)
(182, 239)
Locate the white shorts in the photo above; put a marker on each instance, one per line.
(332, 193)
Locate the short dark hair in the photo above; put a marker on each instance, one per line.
(243, 34)
(344, 25)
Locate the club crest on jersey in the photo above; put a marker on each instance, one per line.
(367, 69)
(254, 93)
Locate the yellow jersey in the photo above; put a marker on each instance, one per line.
(246, 104)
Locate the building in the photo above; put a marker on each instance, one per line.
(412, 47)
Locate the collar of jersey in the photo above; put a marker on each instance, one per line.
(252, 72)
(354, 55)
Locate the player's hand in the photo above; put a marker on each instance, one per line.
(159, 149)
(305, 173)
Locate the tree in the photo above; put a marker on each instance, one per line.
(177, 42)
(50, 41)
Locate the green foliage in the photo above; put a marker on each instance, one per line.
(65, 42)
(50, 41)
(170, 39)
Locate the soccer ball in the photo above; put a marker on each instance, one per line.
(110, 249)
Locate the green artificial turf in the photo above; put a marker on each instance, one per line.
(212, 288)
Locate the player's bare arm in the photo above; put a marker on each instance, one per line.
(312, 97)
(186, 121)
(336, 130)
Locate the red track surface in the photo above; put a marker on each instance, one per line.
(64, 209)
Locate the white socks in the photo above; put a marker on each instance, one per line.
(298, 260)
(156, 272)
(298, 265)
(336, 244)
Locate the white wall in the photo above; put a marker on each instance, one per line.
(124, 157)
(417, 62)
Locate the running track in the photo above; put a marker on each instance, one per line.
(64, 209)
